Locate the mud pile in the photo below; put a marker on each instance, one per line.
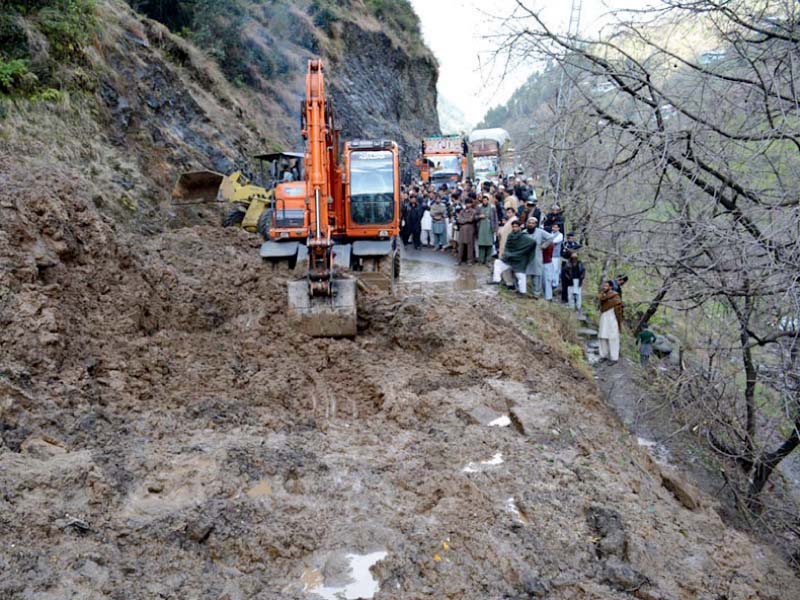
(165, 434)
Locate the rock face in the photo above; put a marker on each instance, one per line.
(154, 104)
(382, 92)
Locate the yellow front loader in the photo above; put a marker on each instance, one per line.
(250, 203)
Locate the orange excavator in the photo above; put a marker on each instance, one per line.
(351, 218)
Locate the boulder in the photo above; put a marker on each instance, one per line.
(662, 346)
(684, 492)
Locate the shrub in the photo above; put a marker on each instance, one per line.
(50, 95)
(13, 74)
(67, 26)
(13, 41)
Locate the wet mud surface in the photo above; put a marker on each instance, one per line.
(166, 434)
(429, 272)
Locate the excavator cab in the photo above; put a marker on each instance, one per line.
(372, 210)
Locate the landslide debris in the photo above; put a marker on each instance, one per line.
(164, 433)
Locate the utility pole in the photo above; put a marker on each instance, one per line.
(558, 139)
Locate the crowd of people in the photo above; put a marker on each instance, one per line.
(500, 224)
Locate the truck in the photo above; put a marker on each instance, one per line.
(491, 153)
(445, 159)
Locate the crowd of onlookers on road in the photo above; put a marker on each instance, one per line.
(500, 224)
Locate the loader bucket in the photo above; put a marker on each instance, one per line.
(322, 316)
(195, 186)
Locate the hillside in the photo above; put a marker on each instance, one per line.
(123, 103)
(166, 433)
(665, 157)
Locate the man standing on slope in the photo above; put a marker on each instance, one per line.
(516, 256)
(610, 323)
(573, 274)
(535, 268)
(645, 339)
(553, 269)
(567, 248)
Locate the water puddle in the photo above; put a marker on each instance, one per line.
(503, 421)
(474, 467)
(426, 271)
(361, 583)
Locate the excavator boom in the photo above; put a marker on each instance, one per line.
(324, 303)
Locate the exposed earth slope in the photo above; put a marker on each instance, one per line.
(164, 434)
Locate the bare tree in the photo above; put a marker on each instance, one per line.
(681, 158)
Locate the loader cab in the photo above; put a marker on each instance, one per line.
(289, 214)
(372, 189)
(273, 165)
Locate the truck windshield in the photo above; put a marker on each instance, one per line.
(372, 187)
(446, 165)
(486, 165)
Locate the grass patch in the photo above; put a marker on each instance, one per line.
(67, 25)
(552, 324)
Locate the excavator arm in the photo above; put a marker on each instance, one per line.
(324, 303)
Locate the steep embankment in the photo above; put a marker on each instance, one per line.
(164, 433)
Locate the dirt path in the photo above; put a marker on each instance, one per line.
(165, 434)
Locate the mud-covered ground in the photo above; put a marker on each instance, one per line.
(167, 434)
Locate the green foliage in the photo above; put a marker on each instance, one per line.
(13, 75)
(324, 15)
(13, 41)
(178, 15)
(67, 26)
(50, 95)
(397, 13)
(217, 26)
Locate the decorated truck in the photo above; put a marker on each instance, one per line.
(445, 159)
(491, 153)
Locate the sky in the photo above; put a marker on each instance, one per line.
(457, 32)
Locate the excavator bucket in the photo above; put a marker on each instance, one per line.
(197, 186)
(333, 316)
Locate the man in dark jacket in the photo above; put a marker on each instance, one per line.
(567, 248)
(554, 216)
(521, 192)
(414, 221)
(616, 284)
(575, 274)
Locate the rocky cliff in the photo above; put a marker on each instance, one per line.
(124, 103)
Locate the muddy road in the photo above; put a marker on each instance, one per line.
(166, 434)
